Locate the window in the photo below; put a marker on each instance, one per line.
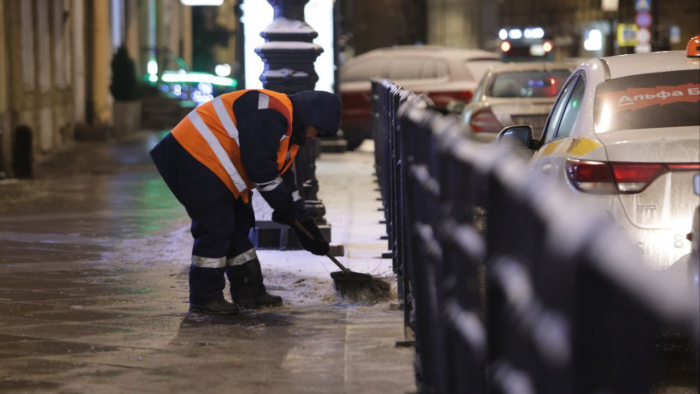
(117, 24)
(364, 71)
(429, 70)
(528, 84)
(442, 70)
(61, 44)
(28, 66)
(656, 100)
(573, 107)
(478, 67)
(434, 69)
(480, 89)
(43, 32)
(406, 68)
(555, 115)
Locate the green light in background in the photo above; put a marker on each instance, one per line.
(198, 77)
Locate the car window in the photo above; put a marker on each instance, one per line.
(434, 69)
(406, 68)
(555, 114)
(363, 71)
(573, 107)
(442, 70)
(429, 70)
(478, 67)
(645, 101)
(527, 83)
(480, 89)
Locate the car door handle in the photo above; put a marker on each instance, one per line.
(547, 168)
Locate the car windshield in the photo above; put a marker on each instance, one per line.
(528, 83)
(668, 99)
(478, 67)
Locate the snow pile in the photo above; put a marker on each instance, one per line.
(285, 73)
(283, 25)
(289, 46)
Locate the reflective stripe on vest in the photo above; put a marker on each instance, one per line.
(219, 151)
(210, 134)
(225, 119)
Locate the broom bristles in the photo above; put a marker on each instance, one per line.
(361, 288)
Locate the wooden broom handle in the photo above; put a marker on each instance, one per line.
(311, 237)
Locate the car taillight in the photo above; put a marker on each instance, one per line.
(624, 178)
(484, 120)
(635, 177)
(590, 176)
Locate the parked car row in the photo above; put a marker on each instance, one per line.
(624, 134)
(444, 74)
(621, 132)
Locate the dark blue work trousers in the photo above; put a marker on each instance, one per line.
(220, 223)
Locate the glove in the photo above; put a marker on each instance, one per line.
(318, 245)
(285, 214)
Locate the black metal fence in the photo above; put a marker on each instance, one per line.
(514, 288)
(386, 100)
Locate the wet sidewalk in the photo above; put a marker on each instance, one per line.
(93, 290)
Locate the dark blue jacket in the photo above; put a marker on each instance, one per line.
(260, 131)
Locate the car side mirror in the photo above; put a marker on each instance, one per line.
(696, 184)
(521, 135)
(456, 106)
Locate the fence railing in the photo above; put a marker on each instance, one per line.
(512, 287)
(386, 100)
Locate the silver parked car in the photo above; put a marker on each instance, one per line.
(514, 94)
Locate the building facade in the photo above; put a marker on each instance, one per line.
(55, 67)
(567, 24)
(372, 24)
(464, 24)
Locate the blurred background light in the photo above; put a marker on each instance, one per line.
(537, 50)
(152, 67)
(515, 34)
(222, 70)
(594, 41)
(197, 77)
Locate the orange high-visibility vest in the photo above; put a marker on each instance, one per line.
(210, 134)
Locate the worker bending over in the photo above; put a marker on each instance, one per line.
(214, 158)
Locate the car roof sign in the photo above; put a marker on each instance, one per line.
(693, 49)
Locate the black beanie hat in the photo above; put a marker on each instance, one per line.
(317, 108)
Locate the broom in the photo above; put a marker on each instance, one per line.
(351, 285)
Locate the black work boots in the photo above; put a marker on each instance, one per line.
(218, 307)
(247, 287)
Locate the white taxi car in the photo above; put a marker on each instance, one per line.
(625, 134)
